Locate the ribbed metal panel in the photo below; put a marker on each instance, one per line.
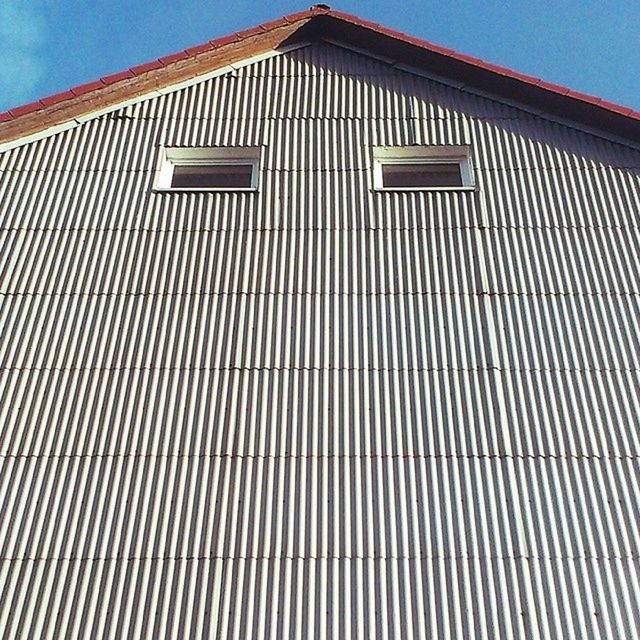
(400, 260)
(247, 331)
(317, 410)
(320, 598)
(292, 506)
(239, 261)
(449, 413)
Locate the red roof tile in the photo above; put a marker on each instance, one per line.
(116, 77)
(174, 57)
(144, 68)
(247, 33)
(198, 49)
(274, 24)
(220, 42)
(85, 88)
(625, 111)
(26, 108)
(296, 17)
(556, 88)
(57, 97)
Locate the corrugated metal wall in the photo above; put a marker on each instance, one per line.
(318, 411)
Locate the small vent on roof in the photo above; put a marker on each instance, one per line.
(319, 7)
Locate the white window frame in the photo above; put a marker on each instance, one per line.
(423, 154)
(170, 157)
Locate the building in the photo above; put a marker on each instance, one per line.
(319, 331)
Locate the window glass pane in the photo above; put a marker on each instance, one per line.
(440, 174)
(212, 176)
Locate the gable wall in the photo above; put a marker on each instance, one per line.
(418, 409)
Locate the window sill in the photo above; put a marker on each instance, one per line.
(413, 189)
(204, 189)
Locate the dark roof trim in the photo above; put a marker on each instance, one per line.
(322, 22)
(480, 75)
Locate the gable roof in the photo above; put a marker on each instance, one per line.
(320, 22)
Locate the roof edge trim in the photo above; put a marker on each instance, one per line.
(495, 80)
(155, 93)
(190, 64)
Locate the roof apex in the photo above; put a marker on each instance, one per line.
(317, 22)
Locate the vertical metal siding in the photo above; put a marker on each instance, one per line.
(320, 411)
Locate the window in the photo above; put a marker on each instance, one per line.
(421, 168)
(208, 169)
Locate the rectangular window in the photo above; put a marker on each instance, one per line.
(421, 168)
(208, 169)
(429, 174)
(213, 175)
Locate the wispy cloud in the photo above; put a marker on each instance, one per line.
(22, 32)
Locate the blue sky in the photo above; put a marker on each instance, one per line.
(47, 46)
